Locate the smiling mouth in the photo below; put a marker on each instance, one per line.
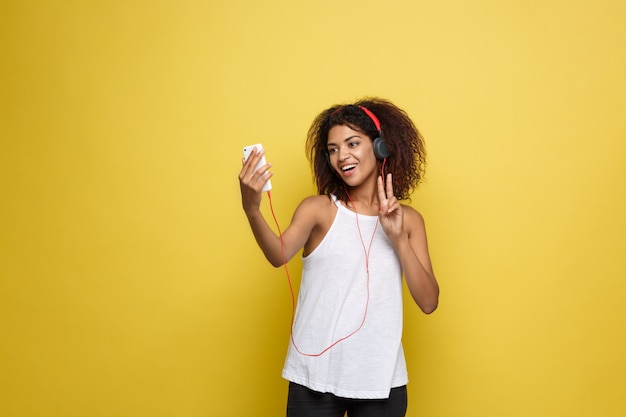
(348, 167)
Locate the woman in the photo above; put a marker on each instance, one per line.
(346, 354)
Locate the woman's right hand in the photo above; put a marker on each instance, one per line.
(251, 182)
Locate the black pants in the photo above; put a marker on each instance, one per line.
(304, 402)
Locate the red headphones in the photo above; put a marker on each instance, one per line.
(381, 151)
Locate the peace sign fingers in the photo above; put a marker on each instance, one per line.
(386, 198)
(390, 211)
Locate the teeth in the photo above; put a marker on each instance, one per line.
(348, 167)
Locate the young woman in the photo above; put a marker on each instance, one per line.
(357, 242)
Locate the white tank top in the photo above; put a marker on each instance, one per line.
(332, 301)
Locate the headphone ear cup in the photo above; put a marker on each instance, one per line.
(381, 151)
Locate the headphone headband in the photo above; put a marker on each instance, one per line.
(371, 116)
(380, 146)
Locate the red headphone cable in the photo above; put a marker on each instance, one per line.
(293, 299)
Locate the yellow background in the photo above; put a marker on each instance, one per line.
(130, 284)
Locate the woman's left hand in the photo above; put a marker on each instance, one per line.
(390, 209)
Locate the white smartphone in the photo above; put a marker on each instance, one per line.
(246, 154)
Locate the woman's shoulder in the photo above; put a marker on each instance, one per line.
(412, 216)
(317, 202)
(316, 207)
(320, 211)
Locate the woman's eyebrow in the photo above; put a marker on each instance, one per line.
(345, 140)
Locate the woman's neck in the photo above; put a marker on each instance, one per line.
(363, 199)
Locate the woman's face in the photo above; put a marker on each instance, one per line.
(351, 154)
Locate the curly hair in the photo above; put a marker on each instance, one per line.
(408, 155)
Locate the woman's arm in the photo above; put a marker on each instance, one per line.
(406, 230)
(412, 249)
(293, 238)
